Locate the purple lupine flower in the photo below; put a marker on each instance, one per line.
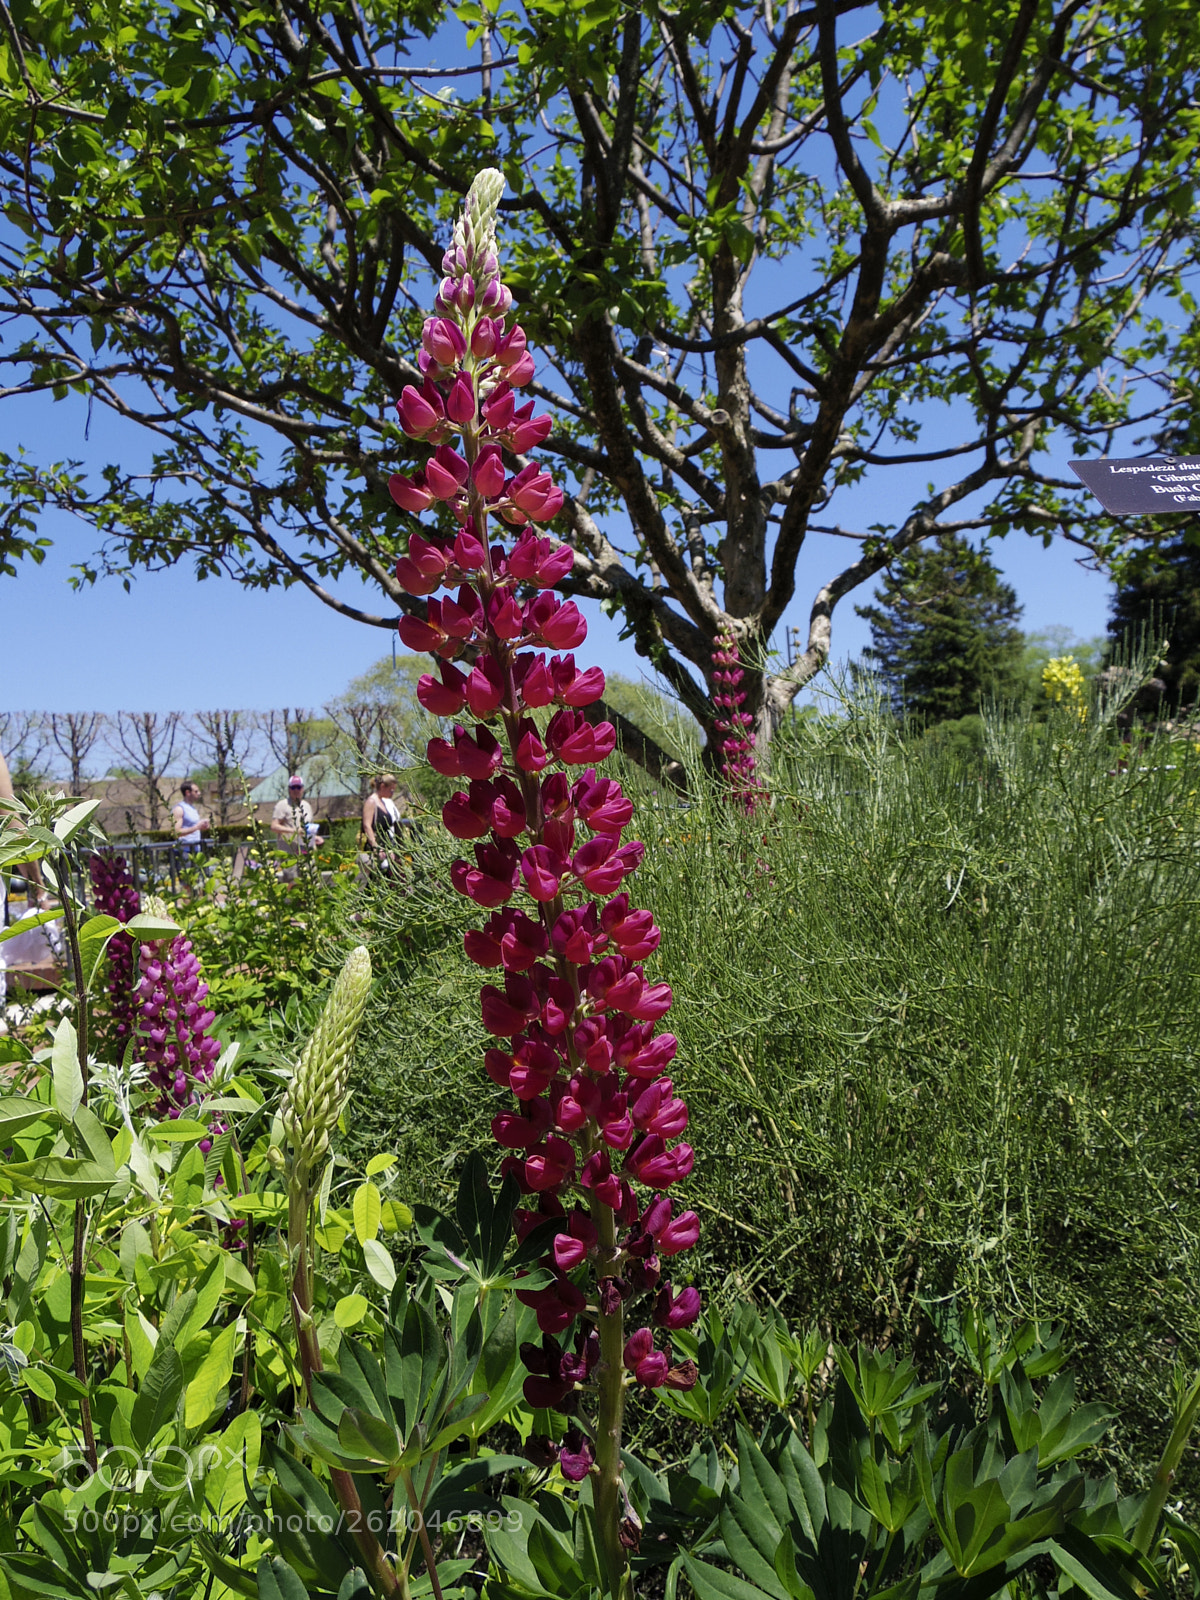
(114, 895)
(173, 1026)
(734, 723)
(573, 1012)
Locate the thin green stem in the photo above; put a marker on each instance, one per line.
(422, 1531)
(1146, 1534)
(386, 1580)
(78, 1261)
(606, 1483)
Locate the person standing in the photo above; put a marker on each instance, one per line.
(292, 820)
(190, 826)
(380, 814)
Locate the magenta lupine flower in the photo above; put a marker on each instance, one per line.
(173, 1027)
(734, 723)
(595, 1121)
(114, 895)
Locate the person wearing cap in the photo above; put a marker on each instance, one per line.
(292, 820)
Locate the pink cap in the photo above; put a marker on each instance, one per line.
(294, 780)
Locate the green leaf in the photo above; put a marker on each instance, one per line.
(68, 1077)
(182, 1131)
(350, 1310)
(368, 1437)
(1089, 1566)
(354, 1586)
(71, 822)
(95, 1140)
(60, 1177)
(27, 924)
(158, 1395)
(149, 930)
(712, 1583)
(17, 1112)
(367, 1209)
(93, 941)
(277, 1581)
(209, 1389)
(208, 1290)
(40, 1382)
(380, 1264)
(412, 1355)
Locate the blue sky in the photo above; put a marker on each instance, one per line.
(173, 643)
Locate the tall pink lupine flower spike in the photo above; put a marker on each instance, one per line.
(735, 723)
(593, 1128)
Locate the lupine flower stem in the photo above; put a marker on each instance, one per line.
(310, 1111)
(574, 1021)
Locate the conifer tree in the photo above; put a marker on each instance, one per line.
(1160, 592)
(944, 630)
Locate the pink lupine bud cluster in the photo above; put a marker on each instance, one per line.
(592, 1132)
(734, 723)
(174, 1024)
(114, 895)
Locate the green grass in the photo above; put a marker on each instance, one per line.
(937, 1021)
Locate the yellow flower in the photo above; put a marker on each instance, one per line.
(1062, 679)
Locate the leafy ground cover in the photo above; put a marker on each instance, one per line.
(937, 1024)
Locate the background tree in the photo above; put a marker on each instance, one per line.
(296, 737)
(944, 632)
(766, 251)
(147, 739)
(1159, 591)
(24, 739)
(75, 735)
(220, 744)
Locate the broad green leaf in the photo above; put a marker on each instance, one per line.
(367, 1209)
(350, 1310)
(380, 1264)
(712, 1583)
(208, 1290)
(72, 821)
(380, 1163)
(277, 1581)
(368, 1437)
(95, 1140)
(158, 1395)
(413, 1354)
(209, 1389)
(150, 930)
(397, 1217)
(93, 941)
(60, 1177)
(41, 1383)
(17, 1112)
(68, 1076)
(27, 924)
(180, 1131)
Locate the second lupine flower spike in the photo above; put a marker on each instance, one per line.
(313, 1100)
(592, 1132)
(734, 723)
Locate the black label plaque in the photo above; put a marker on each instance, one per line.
(1144, 483)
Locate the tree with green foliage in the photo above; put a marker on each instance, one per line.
(1159, 592)
(764, 252)
(944, 632)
